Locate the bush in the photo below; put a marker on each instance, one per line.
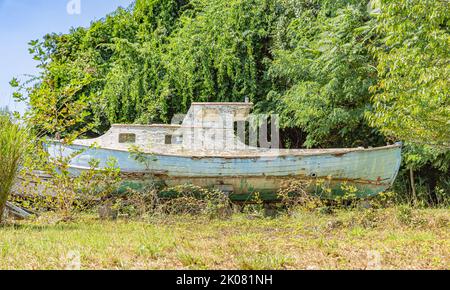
(190, 199)
(60, 190)
(406, 215)
(179, 200)
(13, 141)
(294, 194)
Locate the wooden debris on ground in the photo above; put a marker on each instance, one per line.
(17, 212)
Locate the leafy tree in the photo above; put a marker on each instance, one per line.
(412, 100)
(219, 51)
(323, 70)
(306, 59)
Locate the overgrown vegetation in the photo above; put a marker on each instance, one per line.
(339, 73)
(63, 192)
(185, 200)
(47, 183)
(411, 100)
(13, 145)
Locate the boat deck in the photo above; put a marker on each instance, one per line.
(249, 152)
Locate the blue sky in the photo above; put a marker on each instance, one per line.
(24, 20)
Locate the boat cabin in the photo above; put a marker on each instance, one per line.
(206, 126)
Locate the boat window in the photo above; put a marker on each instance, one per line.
(127, 138)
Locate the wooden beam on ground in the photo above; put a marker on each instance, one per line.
(16, 211)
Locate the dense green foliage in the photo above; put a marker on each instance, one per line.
(339, 73)
(412, 96)
(412, 100)
(322, 72)
(149, 62)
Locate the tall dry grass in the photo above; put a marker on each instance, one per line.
(13, 144)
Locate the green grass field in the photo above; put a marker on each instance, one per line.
(395, 238)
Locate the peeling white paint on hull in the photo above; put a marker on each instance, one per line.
(205, 150)
(371, 170)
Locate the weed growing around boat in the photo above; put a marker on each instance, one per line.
(184, 200)
(199, 229)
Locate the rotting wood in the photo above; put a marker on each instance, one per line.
(17, 212)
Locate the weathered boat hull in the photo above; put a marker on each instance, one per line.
(370, 170)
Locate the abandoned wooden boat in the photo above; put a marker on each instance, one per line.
(204, 150)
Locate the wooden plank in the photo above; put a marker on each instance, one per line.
(17, 212)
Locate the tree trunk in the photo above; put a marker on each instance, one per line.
(413, 186)
(2, 208)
